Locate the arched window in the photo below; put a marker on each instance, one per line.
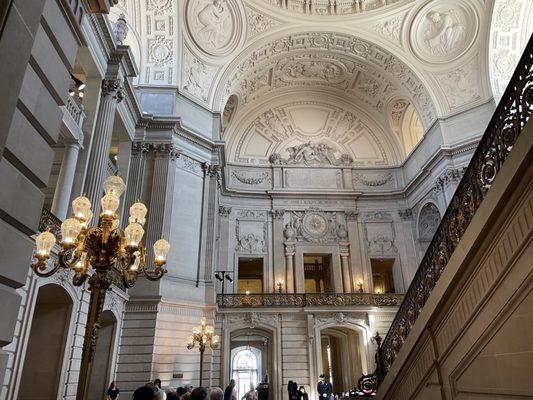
(245, 370)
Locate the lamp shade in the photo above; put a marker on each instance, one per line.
(138, 213)
(70, 229)
(44, 243)
(110, 203)
(81, 207)
(134, 233)
(161, 249)
(114, 185)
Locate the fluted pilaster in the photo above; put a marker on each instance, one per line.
(139, 151)
(111, 95)
(65, 180)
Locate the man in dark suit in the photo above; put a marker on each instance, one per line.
(324, 388)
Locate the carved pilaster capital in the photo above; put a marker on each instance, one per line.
(140, 148)
(290, 249)
(166, 150)
(213, 170)
(344, 249)
(277, 214)
(224, 211)
(113, 88)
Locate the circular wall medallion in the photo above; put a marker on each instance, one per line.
(214, 25)
(442, 31)
(315, 225)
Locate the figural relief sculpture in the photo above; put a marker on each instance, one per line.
(311, 154)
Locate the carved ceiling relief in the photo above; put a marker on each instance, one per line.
(442, 31)
(461, 85)
(331, 7)
(259, 22)
(428, 221)
(310, 133)
(332, 60)
(314, 225)
(214, 25)
(197, 76)
(161, 42)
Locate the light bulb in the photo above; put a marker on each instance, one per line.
(114, 185)
(134, 233)
(136, 262)
(110, 203)
(138, 213)
(247, 292)
(161, 249)
(70, 229)
(44, 243)
(80, 264)
(81, 207)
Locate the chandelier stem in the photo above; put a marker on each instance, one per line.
(202, 349)
(99, 283)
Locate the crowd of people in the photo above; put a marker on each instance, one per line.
(154, 391)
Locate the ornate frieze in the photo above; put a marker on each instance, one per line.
(254, 215)
(250, 237)
(250, 178)
(380, 239)
(373, 180)
(189, 164)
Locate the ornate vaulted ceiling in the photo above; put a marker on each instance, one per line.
(364, 77)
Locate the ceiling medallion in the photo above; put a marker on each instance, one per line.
(214, 25)
(443, 31)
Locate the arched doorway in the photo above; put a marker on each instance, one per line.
(102, 371)
(340, 357)
(43, 363)
(251, 359)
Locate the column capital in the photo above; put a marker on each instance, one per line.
(113, 87)
(166, 150)
(351, 215)
(290, 248)
(406, 214)
(140, 148)
(212, 170)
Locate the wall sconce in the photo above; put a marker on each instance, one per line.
(360, 285)
(79, 84)
(279, 284)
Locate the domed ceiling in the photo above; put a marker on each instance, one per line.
(361, 78)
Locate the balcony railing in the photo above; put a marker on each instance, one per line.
(506, 125)
(308, 300)
(75, 110)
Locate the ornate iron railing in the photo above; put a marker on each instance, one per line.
(49, 222)
(507, 123)
(308, 300)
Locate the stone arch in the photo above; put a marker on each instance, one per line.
(251, 323)
(53, 308)
(405, 122)
(230, 110)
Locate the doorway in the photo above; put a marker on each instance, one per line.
(103, 357)
(250, 277)
(341, 358)
(317, 273)
(383, 275)
(43, 363)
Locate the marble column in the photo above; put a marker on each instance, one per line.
(345, 267)
(278, 251)
(211, 195)
(290, 250)
(65, 180)
(111, 95)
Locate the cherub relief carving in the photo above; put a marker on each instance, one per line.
(444, 32)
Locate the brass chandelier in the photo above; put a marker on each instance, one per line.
(100, 253)
(204, 336)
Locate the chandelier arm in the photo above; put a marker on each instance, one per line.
(40, 265)
(155, 274)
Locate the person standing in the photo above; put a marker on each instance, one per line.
(230, 393)
(250, 394)
(324, 388)
(112, 392)
(159, 393)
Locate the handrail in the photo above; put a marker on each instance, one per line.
(507, 123)
(239, 300)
